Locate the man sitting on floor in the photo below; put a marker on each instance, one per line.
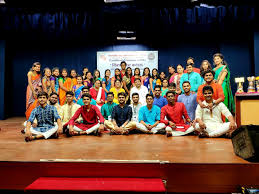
(90, 114)
(85, 90)
(159, 100)
(121, 122)
(45, 115)
(174, 112)
(188, 99)
(53, 100)
(107, 108)
(149, 117)
(135, 106)
(69, 109)
(209, 122)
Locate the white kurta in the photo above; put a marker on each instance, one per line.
(214, 124)
(68, 111)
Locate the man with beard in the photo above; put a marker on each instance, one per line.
(45, 115)
(91, 116)
(159, 100)
(53, 100)
(188, 99)
(174, 112)
(218, 94)
(209, 122)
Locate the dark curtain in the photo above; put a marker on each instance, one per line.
(104, 21)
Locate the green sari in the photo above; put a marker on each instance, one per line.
(229, 100)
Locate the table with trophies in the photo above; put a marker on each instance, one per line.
(247, 103)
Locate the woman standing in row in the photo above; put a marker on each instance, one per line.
(127, 83)
(145, 78)
(54, 80)
(222, 75)
(180, 70)
(65, 85)
(34, 86)
(46, 83)
(77, 89)
(106, 82)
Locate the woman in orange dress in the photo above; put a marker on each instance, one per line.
(65, 84)
(73, 75)
(34, 86)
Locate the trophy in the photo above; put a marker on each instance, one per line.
(251, 84)
(240, 81)
(257, 83)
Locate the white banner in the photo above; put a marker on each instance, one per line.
(112, 59)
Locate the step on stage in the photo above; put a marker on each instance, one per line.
(187, 164)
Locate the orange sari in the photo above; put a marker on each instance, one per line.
(68, 84)
(31, 102)
(74, 81)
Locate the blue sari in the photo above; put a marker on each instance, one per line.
(78, 93)
(146, 82)
(108, 84)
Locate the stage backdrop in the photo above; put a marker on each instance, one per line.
(112, 59)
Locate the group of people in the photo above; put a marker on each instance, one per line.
(191, 100)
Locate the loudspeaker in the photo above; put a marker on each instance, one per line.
(245, 142)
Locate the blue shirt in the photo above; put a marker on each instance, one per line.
(149, 116)
(45, 117)
(194, 79)
(190, 104)
(121, 115)
(81, 103)
(160, 102)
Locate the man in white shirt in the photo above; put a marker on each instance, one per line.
(209, 121)
(141, 90)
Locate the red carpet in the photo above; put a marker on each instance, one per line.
(97, 184)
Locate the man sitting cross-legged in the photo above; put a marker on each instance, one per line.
(53, 100)
(135, 107)
(107, 108)
(149, 117)
(90, 114)
(174, 112)
(45, 115)
(121, 122)
(69, 109)
(209, 121)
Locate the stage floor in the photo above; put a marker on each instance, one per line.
(135, 147)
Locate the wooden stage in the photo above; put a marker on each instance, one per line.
(188, 164)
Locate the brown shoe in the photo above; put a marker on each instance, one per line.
(22, 131)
